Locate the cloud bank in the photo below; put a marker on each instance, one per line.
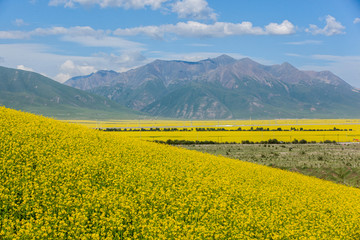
(332, 27)
(88, 36)
(200, 30)
(83, 35)
(195, 9)
(136, 4)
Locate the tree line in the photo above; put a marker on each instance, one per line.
(213, 129)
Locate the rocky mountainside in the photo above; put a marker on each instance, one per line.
(32, 92)
(224, 87)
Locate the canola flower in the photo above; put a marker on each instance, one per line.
(61, 181)
(239, 136)
(275, 123)
(315, 130)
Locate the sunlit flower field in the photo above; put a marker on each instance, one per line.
(66, 181)
(311, 130)
(240, 136)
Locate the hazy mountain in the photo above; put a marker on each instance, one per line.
(224, 87)
(32, 92)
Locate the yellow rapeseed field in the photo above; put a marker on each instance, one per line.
(239, 136)
(62, 181)
(350, 129)
(275, 123)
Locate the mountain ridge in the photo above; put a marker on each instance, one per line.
(32, 92)
(230, 88)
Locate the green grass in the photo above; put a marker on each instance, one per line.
(333, 162)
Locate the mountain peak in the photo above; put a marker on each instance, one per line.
(286, 65)
(224, 59)
(327, 77)
(104, 72)
(157, 61)
(248, 61)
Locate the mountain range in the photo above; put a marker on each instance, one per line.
(224, 88)
(32, 92)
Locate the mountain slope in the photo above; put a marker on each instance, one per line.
(35, 93)
(190, 101)
(224, 87)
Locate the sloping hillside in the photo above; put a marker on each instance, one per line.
(35, 93)
(61, 181)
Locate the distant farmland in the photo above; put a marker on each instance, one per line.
(311, 130)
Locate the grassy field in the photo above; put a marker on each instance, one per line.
(339, 163)
(63, 181)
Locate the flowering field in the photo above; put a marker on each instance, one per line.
(153, 123)
(318, 130)
(64, 181)
(239, 136)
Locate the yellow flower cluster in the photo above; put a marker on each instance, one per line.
(239, 136)
(272, 124)
(61, 181)
(321, 129)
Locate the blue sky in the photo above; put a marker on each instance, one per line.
(66, 38)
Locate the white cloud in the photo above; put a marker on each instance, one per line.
(125, 60)
(14, 35)
(46, 62)
(88, 36)
(136, 4)
(72, 31)
(62, 67)
(20, 22)
(69, 66)
(285, 28)
(334, 58)
(305, 42)
(102, 61)
(83, 35)
(22, 67)
(332, 27)
(293, 55)
(152, 31)
(356, 20)
(218, 29)
(69, 69)
(200, 45)
(197, 9)
(62, 77)
(104, 41)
